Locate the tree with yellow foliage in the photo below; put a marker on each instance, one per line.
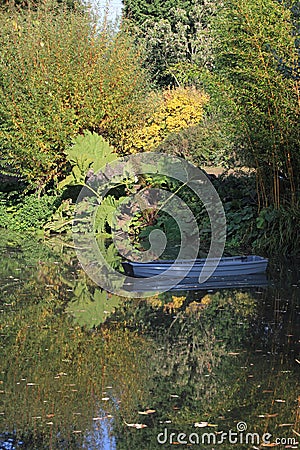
(176, 109)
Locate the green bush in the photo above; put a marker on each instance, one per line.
(28, 215)
(204, 144)
(60, 74)
(278, 231)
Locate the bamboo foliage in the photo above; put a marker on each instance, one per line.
(254, 41)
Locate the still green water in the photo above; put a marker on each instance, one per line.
(84, 369)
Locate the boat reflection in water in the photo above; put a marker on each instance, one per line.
(192, 284)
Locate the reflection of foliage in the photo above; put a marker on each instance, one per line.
(91, 309)
(192, 344)
(187, 357)
(202, 372)
(54, 373)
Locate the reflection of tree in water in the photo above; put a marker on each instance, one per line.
(190, 341)
(55, 372)
(171, 357)
(201, 371)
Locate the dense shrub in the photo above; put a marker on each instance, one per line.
(206, 143)
(29, 214)
(60, 74)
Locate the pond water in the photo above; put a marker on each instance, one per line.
(84, 369)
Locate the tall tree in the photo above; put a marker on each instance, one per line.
(175, 36)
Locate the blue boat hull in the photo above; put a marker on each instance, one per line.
(226, 267)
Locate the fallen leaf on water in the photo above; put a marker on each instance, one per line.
(138, 426)
(201, 424)
(148, 411)
(268, 416)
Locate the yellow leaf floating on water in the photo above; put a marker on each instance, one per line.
(148, 411)
(268, 416)
(138, 426)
